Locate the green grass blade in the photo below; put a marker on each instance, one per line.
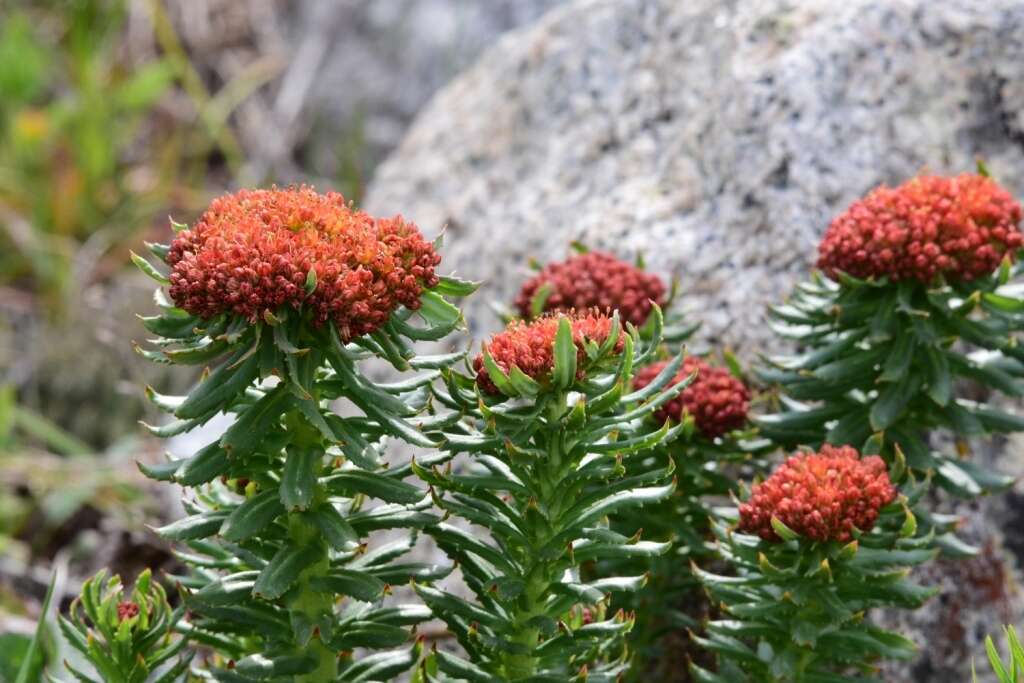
(33, 647)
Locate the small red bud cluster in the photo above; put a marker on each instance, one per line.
(822, 496)
(960, 227)
(127, 610)
(716, 399)
(595, 280)
(531, 346)
(251, 252)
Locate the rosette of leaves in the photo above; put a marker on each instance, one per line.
(126, 639)
(285, 582)
(546, 467)
(795, 609)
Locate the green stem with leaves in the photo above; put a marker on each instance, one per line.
(546, 471)
(795, 611)
(308, 604)
(283, 586)
(880, 367)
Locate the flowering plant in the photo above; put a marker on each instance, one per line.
(717, 400)
(600, 281)
(549, 423)
(289, 291)
(592, 279)
(820, 542)
(912, 301)
(715, 444)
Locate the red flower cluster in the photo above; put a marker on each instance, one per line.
(251, 252)
(595, 280)
(126, 610)
(531, 346)
(717, 401)
(821, 496)
(960, 227)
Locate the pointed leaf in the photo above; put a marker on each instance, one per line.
(284, 569)
(565, 355)
(252, 516)
(299, 478)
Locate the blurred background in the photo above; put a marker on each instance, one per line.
(115, 115)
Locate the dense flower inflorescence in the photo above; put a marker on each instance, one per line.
(822, 496)
(716, 399)
(531, 346)
(960, 227)
(251, 253)
(595, 280)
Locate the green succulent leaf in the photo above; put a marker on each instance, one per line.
(353, 482)
(359, 585)
(252, 516)
(283, 570)
(298, 482)
(222, 385)
(564, 373)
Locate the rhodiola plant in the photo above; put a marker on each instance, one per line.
(550, 421)
(824, 539)
(126, 638)
(285, 293)
(716, 446)
(916, 296)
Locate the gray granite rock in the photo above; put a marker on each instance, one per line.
(389, 56)
(718, 138)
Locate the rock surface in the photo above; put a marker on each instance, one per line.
(718, 139)
(388, 57)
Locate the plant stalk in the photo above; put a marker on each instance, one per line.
(314, 606)
(547, 478)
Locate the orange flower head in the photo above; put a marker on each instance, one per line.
(960, 227)
(251, 253)
(531, 346)
(716, 399)
(595, 280)
(822, 496)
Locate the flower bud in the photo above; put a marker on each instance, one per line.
(530, 346)
(127, 610)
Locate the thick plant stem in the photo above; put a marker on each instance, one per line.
(327, 660)
(538, 577)
(312, 607)
(518, 666)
